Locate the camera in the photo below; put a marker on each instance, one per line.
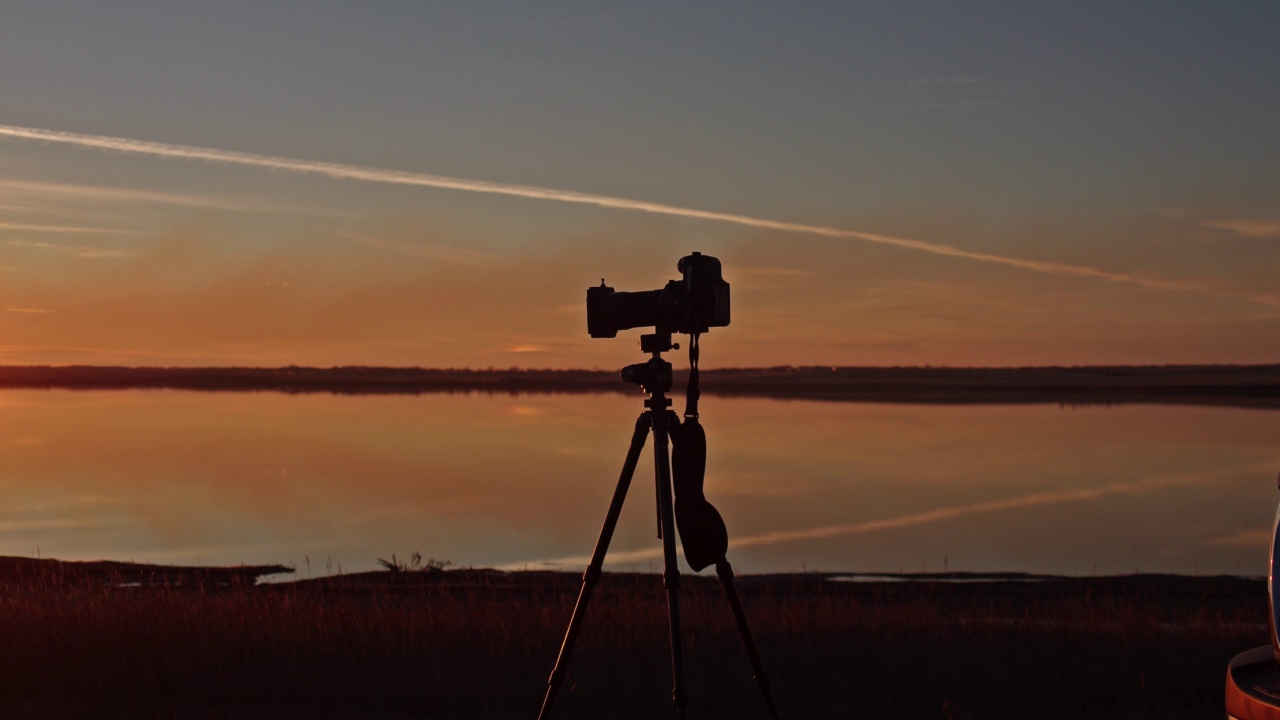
(695, 303)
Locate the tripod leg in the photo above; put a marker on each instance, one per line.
(671, 571)
(725, 573)
(592, 573)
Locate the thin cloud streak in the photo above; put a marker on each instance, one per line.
(16, 352)
(38, 191)
(1247, 228)
(100, 194)
(71, 229)
(80, 251)
(430, 252)
(10, 527)
(366, 174)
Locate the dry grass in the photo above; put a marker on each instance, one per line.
(477, 645)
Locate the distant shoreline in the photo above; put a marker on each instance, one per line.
(1256, 386)
(50, 572)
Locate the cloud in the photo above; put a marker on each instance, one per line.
(377, 175)
(1247, 228)
(29, 310)
(91, 253)
(71, 353)
(749, 271)
(431, 252)
(104, 194)
(1254, 538)
(70, 229)
(957, 91)
(81, 251)
(952, 81)
(182, 300)
(12, 527)
(62, 192)
(757, 278)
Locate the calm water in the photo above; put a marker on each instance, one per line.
(327, 482)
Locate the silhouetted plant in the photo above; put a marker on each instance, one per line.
(415, 563)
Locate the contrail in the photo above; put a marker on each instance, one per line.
(396, 177)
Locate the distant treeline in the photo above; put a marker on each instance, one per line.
(1233, 385)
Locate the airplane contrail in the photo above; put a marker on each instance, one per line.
(398, 177)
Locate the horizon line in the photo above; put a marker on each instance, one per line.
(513, 368)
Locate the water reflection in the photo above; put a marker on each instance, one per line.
(337, 481)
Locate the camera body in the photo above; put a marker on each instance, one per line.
(695, 303)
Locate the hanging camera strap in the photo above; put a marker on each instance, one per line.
(702, 530)
(691, 390)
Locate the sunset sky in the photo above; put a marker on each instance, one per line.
(886, 183)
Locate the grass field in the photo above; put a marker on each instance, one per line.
(479, 644)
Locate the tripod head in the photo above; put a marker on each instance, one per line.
(655, 375)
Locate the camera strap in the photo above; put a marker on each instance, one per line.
(691, 389)
(702, 531)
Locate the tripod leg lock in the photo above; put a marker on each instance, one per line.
(671, 580)
(591, 575)
(679, 697)
(724, 571)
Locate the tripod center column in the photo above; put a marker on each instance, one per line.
(657, 404)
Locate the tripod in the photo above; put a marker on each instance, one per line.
(701, 529)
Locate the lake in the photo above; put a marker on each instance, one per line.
(332, 483)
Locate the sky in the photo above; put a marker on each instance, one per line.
(437, 183)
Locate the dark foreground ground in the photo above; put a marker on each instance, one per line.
(93, 640)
